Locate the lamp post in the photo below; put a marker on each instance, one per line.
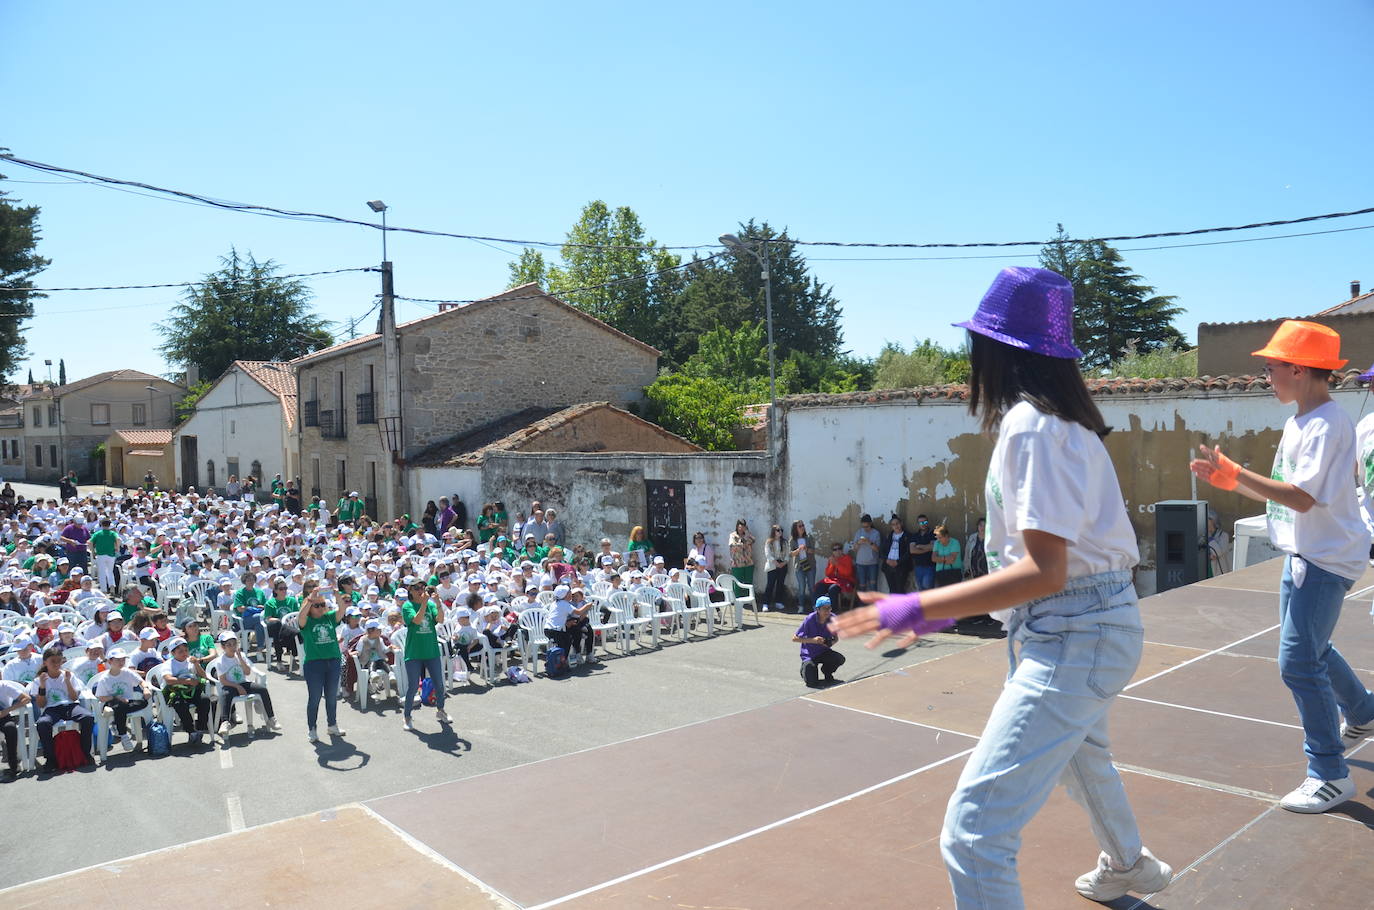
(150, 390)
(733, 243)
(389, 419)
(378, 205)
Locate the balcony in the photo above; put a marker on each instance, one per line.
(330, 428)
(367, 412)
(312, 413)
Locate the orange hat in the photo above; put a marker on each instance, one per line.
(1306, 344)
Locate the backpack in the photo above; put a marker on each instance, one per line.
(159, 740)
(556, 661)
(517, 675)
(427, 691)
(66, 747)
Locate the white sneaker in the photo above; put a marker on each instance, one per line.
(334, 730)
(406, 724)
(442, 715)
(1147, 876)
(313, 736)
(1315, 795)
(1353, 733)
(460, 677)
(127, 742)
(765, 608)
(274, 725)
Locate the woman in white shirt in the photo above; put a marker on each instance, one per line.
(1060, 549)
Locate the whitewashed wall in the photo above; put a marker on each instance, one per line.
(431, 483)
(240, 419)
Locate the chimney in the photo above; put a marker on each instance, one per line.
(1354, 289)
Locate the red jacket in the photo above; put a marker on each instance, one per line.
(840, 571)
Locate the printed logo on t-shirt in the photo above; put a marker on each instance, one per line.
(118, 690)
(1368, 462)
(322, 635)
(1274, 510)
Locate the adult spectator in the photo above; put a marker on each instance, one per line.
(14, 698)
(742, 553)
(104, 543)
(429, 519)
(702, 552)
(922, 542)
(568, 627)
(803, 557)
(839, 580)
(536, 526)
(486, 523)
(865, 548)
(350, 509)
(321, 667)
(133, 601)
(775, 565)
(233, 490)
(895, 551)
(292, 499)
(422, 620)
(554, 525)
(639, 551)
(279, 606)
(817, 642)
(124, 692)
(235, 675)
(74, 538)
(460, 511)
(946, 557)
(975, 553)
(445, 517)
(66, 487)
(248, 605)
(57, 695)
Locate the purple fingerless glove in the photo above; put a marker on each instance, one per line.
(903, 613)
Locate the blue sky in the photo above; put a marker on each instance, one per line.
(855, 121)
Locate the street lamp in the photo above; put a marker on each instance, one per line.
(733, 243)
(150, 390)
(378, 205)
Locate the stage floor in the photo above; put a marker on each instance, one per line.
(836, 798)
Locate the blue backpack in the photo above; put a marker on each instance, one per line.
(555, 661)
(159, 740)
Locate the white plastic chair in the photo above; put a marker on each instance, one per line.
(366, 676)
(646, 605)
(679, 597)
(28, 740)
(659, 581)
(545, 599)
(247, 704)
(603, 626)
(398, 669)
(602, 589)
(104, 720)
(622, 604)
(701, 597)
(532, 635)
(732, 587)
(193, 604)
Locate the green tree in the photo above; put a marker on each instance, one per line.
(927, 363)
(62, 371)
(530, 267)
(1161, 363)
(19, 264)
(1112, 305)
(30, 375)
(699, 408)
(243, 311)
(186, 405)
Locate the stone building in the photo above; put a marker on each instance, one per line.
(367, 406)
(1225, 348)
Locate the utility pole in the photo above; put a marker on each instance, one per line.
(391, 385)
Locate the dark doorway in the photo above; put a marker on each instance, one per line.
(116, 456)
(190, 462)
(667, 529)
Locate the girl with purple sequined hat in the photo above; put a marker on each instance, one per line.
(1060, 550)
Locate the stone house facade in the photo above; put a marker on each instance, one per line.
(456, 370)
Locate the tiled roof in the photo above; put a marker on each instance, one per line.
(1361, 304)
(505, 296)
(107, 376)
(514, 432)
(1100, 388)
(276, 377)
(145, 437)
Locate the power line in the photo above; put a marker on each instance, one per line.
(271, 211)
(183, 284)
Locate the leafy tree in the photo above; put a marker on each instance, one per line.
(243, 311)
(186, 406)
(62, 371)
(1161, 363)
(702, 409)
(731, 356)
(927, 363)
(1112, 305)
(19, 264)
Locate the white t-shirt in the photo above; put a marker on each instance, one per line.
(125, 684)
(1317, 455)
(1050, 475)
(9, 693)
(85, 670)
(1364, 468)
(55, 689)
(229, 670)
(24, 670)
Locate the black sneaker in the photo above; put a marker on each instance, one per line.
(811, 674)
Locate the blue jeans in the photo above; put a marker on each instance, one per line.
(1070, 654)
(806, 588)
(925, 577)
(252, 622)
(415, 670)
(321, 678)
(1314, 670)
(866, 576)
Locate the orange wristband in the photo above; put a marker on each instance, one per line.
(1226, 475)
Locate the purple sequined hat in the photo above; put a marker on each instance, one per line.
(1367, 374)
(1028, 308)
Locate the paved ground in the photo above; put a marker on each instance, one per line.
(194, 794)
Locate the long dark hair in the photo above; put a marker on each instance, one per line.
(1003, 375)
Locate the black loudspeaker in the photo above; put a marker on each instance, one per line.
(1180, 543)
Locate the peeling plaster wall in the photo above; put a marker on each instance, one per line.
(913, 456)
(599, 495)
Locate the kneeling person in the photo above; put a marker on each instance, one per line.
(817, 652)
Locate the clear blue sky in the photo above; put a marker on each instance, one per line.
(859, 121)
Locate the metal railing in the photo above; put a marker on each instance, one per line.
(367, 412)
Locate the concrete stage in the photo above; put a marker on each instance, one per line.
(834, 799)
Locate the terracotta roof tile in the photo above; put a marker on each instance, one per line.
(277, 377)
(108, 375)
(145, 437)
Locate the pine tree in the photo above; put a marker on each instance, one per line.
(1113, 307)
(19, 263)
(30, 375)
(62, 371)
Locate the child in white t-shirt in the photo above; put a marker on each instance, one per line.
(235, 675)
(1314, 517)
(124, 692)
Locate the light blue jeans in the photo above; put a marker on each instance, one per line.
(1315, 672)
(1070, 654)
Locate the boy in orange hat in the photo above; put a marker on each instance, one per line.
(1314, 517)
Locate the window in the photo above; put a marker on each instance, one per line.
(38, 417)
(52, 453)
(367, 399)
(233, 427)
(140, 415)
(314, 475)
(231, 468)
(210, 474)
(52, 415)
(370, 500)
(100, 415)
(343, 477)
(38, 456)
(256, 470)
